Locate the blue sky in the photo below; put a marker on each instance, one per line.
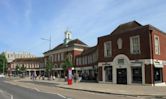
(24, 22)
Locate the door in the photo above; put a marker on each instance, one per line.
(122, 76)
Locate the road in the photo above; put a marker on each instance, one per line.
(8, 91)
(42, 90)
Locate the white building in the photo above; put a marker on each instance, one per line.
(10, 56)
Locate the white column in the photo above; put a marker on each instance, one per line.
(129, 75)
(143, 74)
(103, 73)
(114, 73)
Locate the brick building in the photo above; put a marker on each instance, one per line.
(132, 53)
(87, 63)
(68, 49)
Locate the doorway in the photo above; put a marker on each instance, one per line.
(122, 76)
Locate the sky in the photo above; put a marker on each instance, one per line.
(24, 22)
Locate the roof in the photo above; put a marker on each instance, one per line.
(88, 50)
(152, 27)
(126, 26)
(75, 42)
(34, 59)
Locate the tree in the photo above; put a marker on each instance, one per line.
(49, 66)
(3, 63)
(67, 64)
(17, 69)
(23, 70)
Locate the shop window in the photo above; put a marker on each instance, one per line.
(158, 74)
(108, 73)
(137, 74)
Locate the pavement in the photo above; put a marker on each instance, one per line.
(115, 89)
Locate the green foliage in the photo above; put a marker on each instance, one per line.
(17, 69)
(67, 64)
(3, 63)
(49, 66)
(23, 68)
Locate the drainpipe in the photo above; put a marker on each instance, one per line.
(151, 55)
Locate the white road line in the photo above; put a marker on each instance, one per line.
(52, 93)
(8, 94)
(11, 96)
(61, 95)
(36, 89)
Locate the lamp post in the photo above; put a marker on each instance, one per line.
(48, 39)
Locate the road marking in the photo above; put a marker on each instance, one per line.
(8, 94)
(52, 93)
(11, 96)
(61, 95)
(36, 89)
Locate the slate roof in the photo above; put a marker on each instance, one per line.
(126, 26)
(70, 44)
(88, 50)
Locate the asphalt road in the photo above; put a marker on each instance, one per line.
(76, 94)
(8, 91)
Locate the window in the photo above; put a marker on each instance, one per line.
(77, 61)
(86, 60)
(62, 56)
(51, 58)
(80, 61)
(107, 49)
(135, 45)
(59, 57)
(121, 61)
(158, 74)
(55, 57)
(157, 45)
(137, 75)
(119, 43)
(108, 73)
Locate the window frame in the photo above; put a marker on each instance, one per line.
(105, 49)
(158, 46)
(132, 45)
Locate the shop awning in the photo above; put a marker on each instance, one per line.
(158, 65)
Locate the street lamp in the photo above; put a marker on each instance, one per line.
(48, 39)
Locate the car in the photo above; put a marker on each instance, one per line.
(2, 75)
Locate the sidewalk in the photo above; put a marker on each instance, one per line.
(130, 90)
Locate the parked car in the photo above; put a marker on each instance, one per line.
(2, 75)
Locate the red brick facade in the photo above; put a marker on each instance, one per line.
(151, 63)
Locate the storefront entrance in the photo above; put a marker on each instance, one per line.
(122, 76)
(158, 74)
